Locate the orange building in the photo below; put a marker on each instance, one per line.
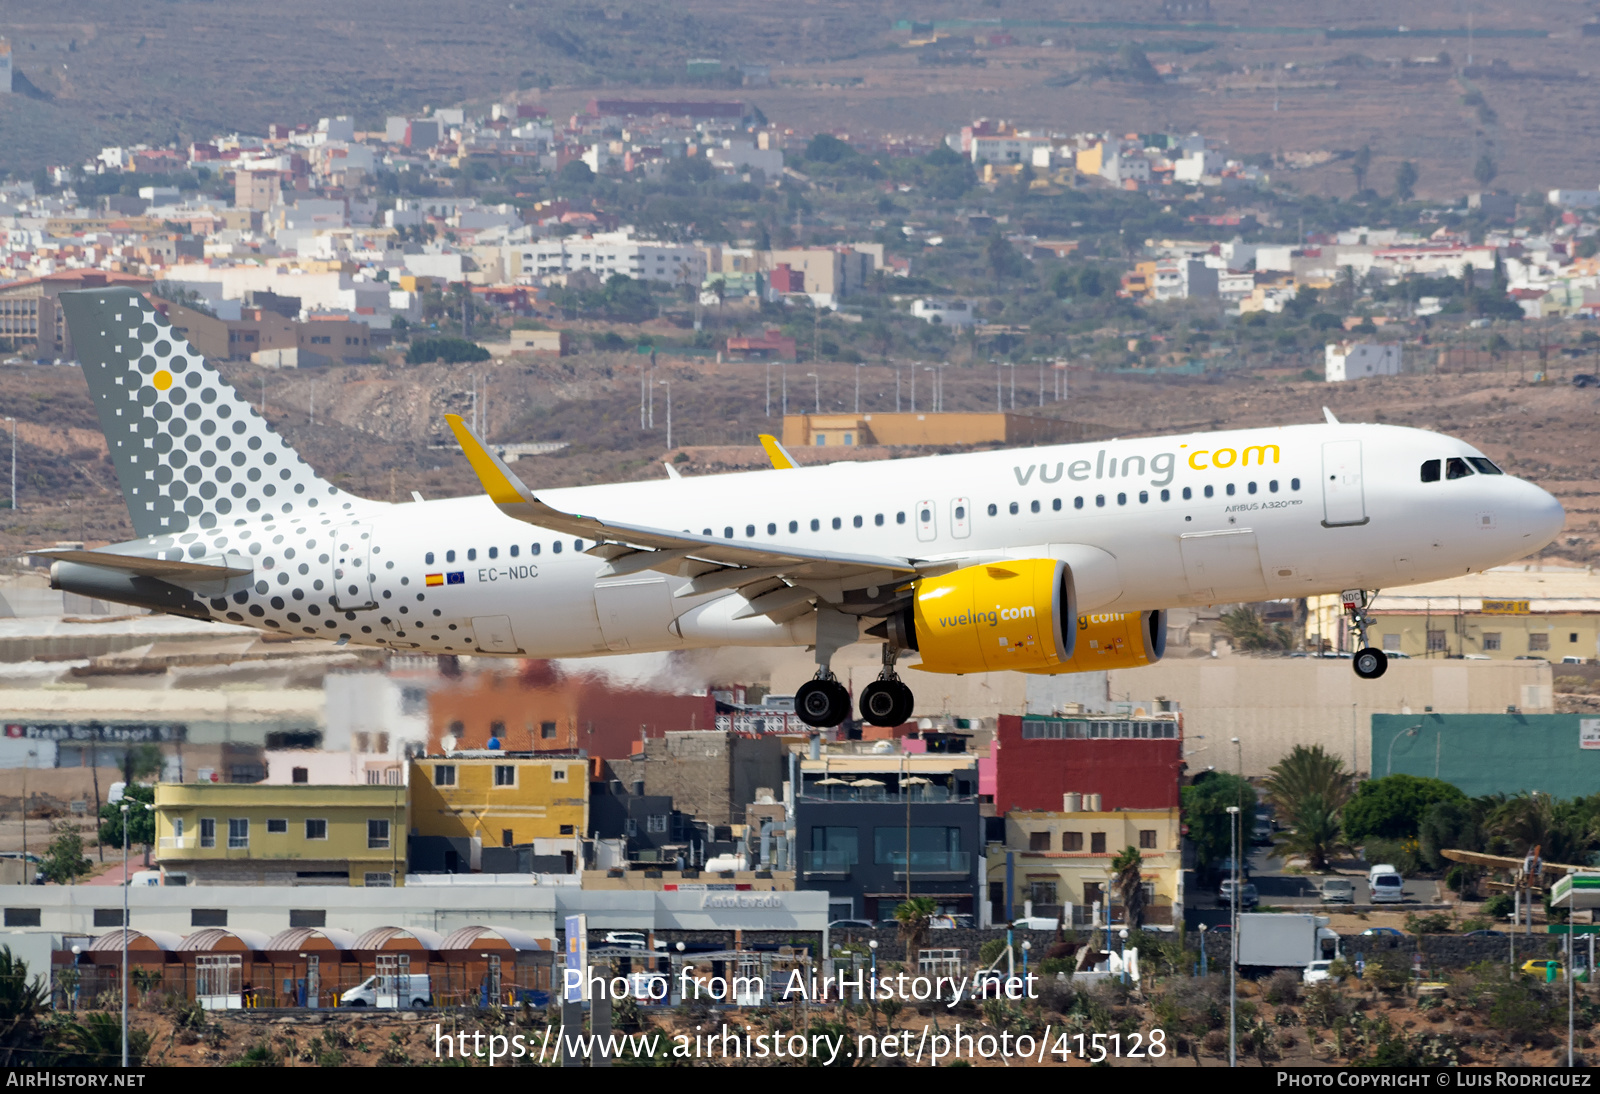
(544, 710)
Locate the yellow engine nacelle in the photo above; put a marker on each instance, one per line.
(1021, 615)
(1116, 640)
(1000, 615)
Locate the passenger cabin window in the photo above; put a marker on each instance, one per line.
(428, 560)
(1430, 470)
(1456, 468)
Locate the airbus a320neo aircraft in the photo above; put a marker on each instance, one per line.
(1044, 560)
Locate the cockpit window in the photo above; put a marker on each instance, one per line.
(1430, 470)
(1456, 468)
(1485, 466)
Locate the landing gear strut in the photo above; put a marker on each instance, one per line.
(822, 701)
(1370, 662)
(886, 701)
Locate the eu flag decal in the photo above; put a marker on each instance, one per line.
(457, 578)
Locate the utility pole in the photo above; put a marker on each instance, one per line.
(13, 422)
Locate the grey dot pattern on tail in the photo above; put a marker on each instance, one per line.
(199, 456)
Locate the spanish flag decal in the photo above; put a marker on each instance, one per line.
(435, 579)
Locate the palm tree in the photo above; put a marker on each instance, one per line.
(1129, 886)
(1314, 832)
(915, 917)
(1305, 773)
(21, 1001)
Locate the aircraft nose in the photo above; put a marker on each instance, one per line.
(1543, 518)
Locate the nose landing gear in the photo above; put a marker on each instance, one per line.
(1369, 662)
(887, 701)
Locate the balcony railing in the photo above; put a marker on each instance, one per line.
(177, 843)
(919, 795)
(829, 862)
(931, 863)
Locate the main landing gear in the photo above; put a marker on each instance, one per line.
(887, 701)
(822, 701)
(1370, 662)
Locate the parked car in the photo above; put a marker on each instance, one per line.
(1390, 931)
(1381, 868)
(1317, 971)
(850, 925)
(1388, 889)
(1484, 934)
(1337, 890)
(1248, 897)
(1262, 832)
(1547, 969)
(415, 991)
(633, 940)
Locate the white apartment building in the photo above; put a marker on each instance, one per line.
(1359, 360)
(947, 313)
(1010, 149)
(606, 253)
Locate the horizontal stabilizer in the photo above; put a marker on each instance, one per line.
(180, 570)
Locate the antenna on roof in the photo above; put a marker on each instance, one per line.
(1328, 414)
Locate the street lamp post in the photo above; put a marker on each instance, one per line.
(859, 367)
(1409, 732)
(668, 385)
(13, 422)
(122, 799)
(1233, 963)
(816, 382)
(1026, 946)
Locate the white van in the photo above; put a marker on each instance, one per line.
(415, 991)
(1388, 889)
(1381, 868)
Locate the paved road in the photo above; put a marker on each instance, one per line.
(1281, 889)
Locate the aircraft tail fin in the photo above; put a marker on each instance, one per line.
(189, 452)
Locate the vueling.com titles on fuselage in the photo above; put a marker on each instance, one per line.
(1163, 464)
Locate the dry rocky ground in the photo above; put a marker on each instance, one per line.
(1473, 1019)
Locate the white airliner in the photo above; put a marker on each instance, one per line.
(1046, 560)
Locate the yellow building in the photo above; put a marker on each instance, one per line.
(848, 430)
(260, 834)
(1500, 615)
(499, 800)
(1060, 859)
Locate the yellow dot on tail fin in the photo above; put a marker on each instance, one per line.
(162, 380)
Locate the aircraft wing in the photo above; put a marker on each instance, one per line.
(1503, 862)
(712, 563)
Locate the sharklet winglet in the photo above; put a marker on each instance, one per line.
(779, 455)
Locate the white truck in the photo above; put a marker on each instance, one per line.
(415, 991)
(1279, 940)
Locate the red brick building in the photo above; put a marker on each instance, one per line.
(1132, 762)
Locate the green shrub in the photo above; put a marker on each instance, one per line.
(450, 351)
